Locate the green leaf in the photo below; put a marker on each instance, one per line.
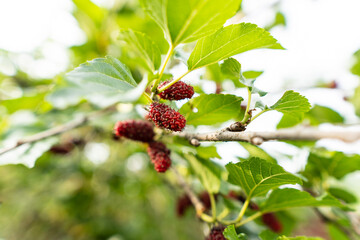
(356, 100)
(269, 235)
(292, 103)
(342, 194)
(28, 153)
(144, 47)
(323, 163)
(320, 114)
(257, 176)
(207, 152)
(187, 21)
(106, 81)
(281, 199)
(35, 103)
(208, 109)
(232, 68)
(252, 74)
(355, 69)
(290, 120)
(299, 238)
(230, 234)
(209, 173)
(229, 41)
(256, 151)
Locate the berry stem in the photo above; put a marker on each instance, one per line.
(223, 214)
(249, 219)
(243, 210)
(173, 82)
(213, 205)
(147, 97)
(247, 115)
(162, 69)
(207, 218)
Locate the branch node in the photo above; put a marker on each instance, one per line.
(237, 127)
(257, 140)
(195, 142)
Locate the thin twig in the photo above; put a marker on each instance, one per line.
(199, 206)
(257, 138)
(56, 130)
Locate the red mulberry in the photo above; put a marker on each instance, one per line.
(178, 91)
(137, 130)
(216, 233)
(182, 204)
(165, 117)
(270, 220)
(159, 156)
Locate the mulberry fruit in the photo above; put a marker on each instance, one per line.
(178, 91)
(270, 220)
(182, 204)
(165, 117)
(137, 130)
(216, 233)
(159, 155)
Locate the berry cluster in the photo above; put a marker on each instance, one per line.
(165, 117)
(159, 156)
(216, 233)
(177, 91)
(143, 131)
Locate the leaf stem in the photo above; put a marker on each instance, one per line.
(243, 210)
(147, 97)
(213, 205)
(207, 218)
(162, 69)
(249, 219)
(263, 111)
(247, 115)
(173, 82)
(223, 214)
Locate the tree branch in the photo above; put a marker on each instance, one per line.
(56, 130)
(257, 138)
(199, 206)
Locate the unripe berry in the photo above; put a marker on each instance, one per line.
(165, 117)
(177, 91)
(216, 233)
(138, 130)
(159, 155)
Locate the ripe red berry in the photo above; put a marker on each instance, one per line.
(178, 91)
(159, 155)
(138, 130)
(270, 220)
(216, 233)
(165, 117)
(182, 204)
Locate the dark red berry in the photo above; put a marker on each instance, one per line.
(138, 130)
(182, 204)
(165, 117)
(216, 233)
(270, 220)
(177, 91)
(205, 199)
(159, 155)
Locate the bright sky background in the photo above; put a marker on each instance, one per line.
(320, 38)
